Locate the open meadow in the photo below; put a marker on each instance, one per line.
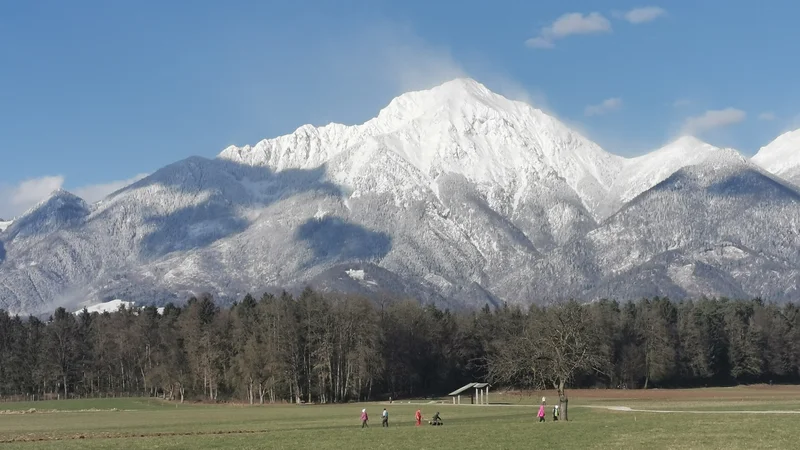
(714, 418)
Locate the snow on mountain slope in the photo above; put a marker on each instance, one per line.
(642, 173)
(721, 227)
(782, 157)
(458, 127)
(5, 224)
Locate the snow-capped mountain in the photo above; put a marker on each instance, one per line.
(782, 157)
(454, 195)
(5, 224)
(459, 128)
(642, 173)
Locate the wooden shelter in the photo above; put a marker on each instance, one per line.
(480, 395)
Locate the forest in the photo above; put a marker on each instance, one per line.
(324, 348)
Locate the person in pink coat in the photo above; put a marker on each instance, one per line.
(541, 412)
(364, 418)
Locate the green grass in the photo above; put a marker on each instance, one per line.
(142, 423)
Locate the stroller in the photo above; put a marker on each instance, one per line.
(436, 420)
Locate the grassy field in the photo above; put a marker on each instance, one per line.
(509, 423)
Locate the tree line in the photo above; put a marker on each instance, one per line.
(325, 348)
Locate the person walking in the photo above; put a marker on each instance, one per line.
(418, 417)
(364, 418)
(541, 412)
(555, 413)
(385, 418)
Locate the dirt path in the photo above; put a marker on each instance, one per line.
(616, 408)
(665, 411)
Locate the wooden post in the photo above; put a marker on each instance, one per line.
(459, 399)
(454, 399)
(486, 396)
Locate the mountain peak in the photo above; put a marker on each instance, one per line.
(643, 172)
(62, 208)
(467, 86)
(59, 196)
(688, 141)
(694, 150)
(460, 96)
(63, 193)
(781, 155)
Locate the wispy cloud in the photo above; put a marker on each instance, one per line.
(681, 102)
(793, 123)
(645, 14)
(767, 115)
(713, 119)
(16, 199)
(606, 106)
(568, 25)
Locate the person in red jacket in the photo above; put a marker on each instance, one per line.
(418, 417)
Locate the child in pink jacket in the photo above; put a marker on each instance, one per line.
(364, 418)
(541, 412)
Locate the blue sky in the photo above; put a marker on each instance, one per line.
(94, 93)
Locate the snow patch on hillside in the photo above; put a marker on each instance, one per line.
(110, 306)
(355, 274)
(113, 306)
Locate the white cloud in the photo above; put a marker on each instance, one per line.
(27, 193)
(15, 200)
(415, 66)
(767, 115)
(568, 25)
(681, 102)
(643, 15)
(540, 42)
(606, 106)
(713, 119)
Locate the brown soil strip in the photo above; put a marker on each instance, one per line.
(40, 438)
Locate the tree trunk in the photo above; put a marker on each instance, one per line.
(563, 400)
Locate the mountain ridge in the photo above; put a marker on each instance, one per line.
(453, 195)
